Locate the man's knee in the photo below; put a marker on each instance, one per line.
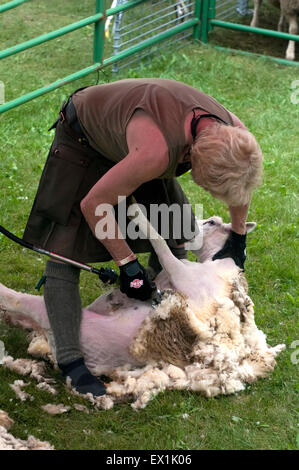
(62, 271)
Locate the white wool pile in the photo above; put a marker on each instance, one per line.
(5, 420)
(83, 408)
(39, 346)
(47, 388)
(9, 442)
(56, 409)
(140, 385)
(20, 394)
(34, 369)
(230, 352)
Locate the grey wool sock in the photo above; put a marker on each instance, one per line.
(63, 304)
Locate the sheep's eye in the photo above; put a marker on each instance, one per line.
(210, 222)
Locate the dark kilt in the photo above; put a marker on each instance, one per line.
(72, 168)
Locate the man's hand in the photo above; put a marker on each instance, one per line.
(235, 248)
(134, 281)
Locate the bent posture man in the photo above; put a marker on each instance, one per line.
(131, 137)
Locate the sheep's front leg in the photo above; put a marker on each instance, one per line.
(169, 262)
(182, 275)
(293, 29)
(281, 24)
(255, 19)
(24, 307)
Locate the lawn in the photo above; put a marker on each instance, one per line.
(265, 415)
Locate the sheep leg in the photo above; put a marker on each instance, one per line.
(281, 23)
(24, 307)
(185, 277)
(293, 29)
(255, 18)
(168, 261)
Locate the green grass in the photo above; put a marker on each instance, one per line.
(265, 416)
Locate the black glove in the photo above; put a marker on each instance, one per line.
(134, 281)
(235, 248)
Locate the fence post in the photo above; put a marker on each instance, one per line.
(212, 13)
(116, 39)
(204, 21)
(99, 33)
(197, 14)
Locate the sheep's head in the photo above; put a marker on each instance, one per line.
(214, 233)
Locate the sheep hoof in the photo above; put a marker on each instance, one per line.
(290, 56)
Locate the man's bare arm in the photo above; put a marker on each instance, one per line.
(147, 159)
(238, 215)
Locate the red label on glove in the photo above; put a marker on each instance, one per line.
(136, 283)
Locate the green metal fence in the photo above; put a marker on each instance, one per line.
(147, 20)
(10, 5)
(99, 38)
(203, 21)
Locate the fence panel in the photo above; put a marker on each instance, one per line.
(135, 30)
(151, 22)
(146, 22)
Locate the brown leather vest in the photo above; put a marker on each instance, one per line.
(105, 110)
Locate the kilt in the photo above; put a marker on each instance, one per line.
(72, 168)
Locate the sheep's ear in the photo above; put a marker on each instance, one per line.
(250, 226)
(227, 227)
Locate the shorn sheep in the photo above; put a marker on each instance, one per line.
(201, 337)
(289, 11)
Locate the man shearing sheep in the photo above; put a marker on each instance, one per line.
(131, 137)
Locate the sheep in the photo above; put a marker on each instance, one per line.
(201, 337)
(289, 11)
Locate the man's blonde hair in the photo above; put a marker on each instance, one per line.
(227, 162)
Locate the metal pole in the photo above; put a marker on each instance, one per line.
(10, 5)
(66, 29)
(105, 274)
(265, 32)
(99, 33)
(197, 15)
(212, 13)
(254, 54)
(48, 36)
(204, 21)
(150, 41)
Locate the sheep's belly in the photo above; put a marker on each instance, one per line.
(105, 340)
